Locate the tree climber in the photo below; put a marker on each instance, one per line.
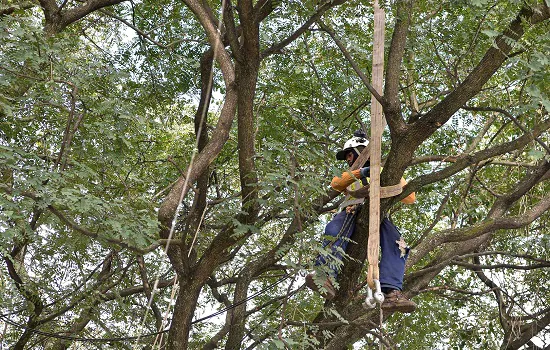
(341, 227)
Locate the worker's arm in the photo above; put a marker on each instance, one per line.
(340, 183)
(411, 198)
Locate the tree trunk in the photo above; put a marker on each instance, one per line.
(246, 77)
(186, 302)
(238, 314)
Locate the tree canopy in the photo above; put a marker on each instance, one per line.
(165, 169)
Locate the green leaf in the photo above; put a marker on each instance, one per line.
(490, 33)
(536, 155)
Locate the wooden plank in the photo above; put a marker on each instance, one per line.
(377, 127)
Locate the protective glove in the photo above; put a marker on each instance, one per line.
(365, 172)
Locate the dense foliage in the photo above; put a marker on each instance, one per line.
(161, 161)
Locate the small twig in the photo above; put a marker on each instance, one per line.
(501, 266)
(496, 252)
(513, 119)
(354, 65)
(62, 5)
(452, 289)
(197, 231)
(438, 215)
(283, 309)
(182, 173)
(494, 193)
(143, 34)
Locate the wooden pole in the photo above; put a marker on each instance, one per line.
(377, 127)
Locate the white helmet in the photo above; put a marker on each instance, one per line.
(358, 139)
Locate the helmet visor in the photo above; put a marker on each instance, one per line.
(341, 155)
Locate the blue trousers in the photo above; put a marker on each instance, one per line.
(393, 258)
(341, 227)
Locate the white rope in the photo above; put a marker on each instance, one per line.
(196, 232)
(182, 194)
(165, 318)
(381, 343)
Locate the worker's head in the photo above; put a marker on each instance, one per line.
(353, 147)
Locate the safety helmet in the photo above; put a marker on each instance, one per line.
(359, 139)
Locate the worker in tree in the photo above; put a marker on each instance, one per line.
(341, 227)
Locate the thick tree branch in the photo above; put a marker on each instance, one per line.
(210, 24)
(494, 220)
(246, 76)
(236, 317)
(25, 5)
(250, 27)
(513, 119)
(200, 163)
(231, 32)
(516, 341)
(466, 160)
(392, 110)
(327, 5)
(403, 147)
(354, 65)
(58, 19)
(487, 67)
(264, 8)
(29, 293)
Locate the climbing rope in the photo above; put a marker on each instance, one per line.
(216, 48)
(164, 322)
(380, 342)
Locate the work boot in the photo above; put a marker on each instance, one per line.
(396, 301)
(328, 291)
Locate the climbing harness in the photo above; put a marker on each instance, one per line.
(355, 193)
